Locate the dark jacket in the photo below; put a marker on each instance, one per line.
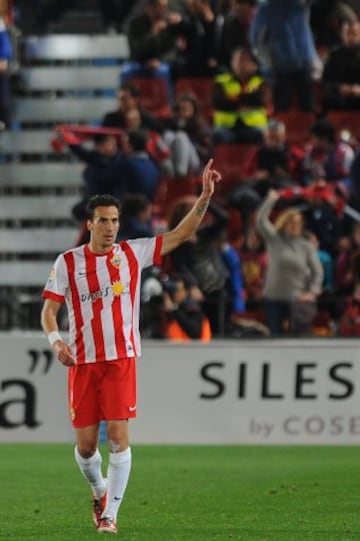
(342, 67)
(116, 119)
(145, 46)
(97, 173)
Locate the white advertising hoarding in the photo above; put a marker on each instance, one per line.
(224, 392)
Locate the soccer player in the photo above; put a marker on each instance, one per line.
(100, 283)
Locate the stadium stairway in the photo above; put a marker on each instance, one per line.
(65, 78)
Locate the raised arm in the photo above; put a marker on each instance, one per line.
(263, 223)
(188, 225)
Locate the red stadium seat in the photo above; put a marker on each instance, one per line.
(153, 95)
(201, 88)
(297, 125)
(229, 160)
(346, 120)
(170, 189)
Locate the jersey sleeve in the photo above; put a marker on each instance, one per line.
(58, 281)
(147, 250)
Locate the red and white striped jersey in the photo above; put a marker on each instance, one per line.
(102, 293)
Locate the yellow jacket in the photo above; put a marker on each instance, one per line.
(232, 89)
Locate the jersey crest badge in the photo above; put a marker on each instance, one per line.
(116, 261)
(51, 275)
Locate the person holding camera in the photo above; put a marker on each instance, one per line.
(185, 319)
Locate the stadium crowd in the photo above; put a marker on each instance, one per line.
(270, 90)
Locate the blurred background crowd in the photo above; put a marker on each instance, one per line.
(271, 90)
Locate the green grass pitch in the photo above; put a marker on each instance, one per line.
(179, 493)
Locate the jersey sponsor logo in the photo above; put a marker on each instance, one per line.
(95, 295)
(117, 288)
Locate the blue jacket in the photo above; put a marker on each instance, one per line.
(282, 28)
(5, 43)
(137, 173)
(236, 286)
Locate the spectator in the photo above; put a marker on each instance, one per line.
(241, 98)
(235, 283)
(201, 263)
(341, 75)
(354, 188)
(327, 17)
(115, 173)
(135, 218)
(276, 163)
(98, 161)
(327, 151)
(185, 319)
(212, 266)
(187, 117)
(5, 57)
(236, 28)
(282, 29)
(254, 261)
(130, 115)
(112, 13)
(273, 164)
(323, 209)
(156, 147)
(327, 166)
(128, 99)
(294, 275)
(195, 56)
(347, 277)
(184, 133)
(326, 261)
(138, 172)
(349, 324)
(152, 40)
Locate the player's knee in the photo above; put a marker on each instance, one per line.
(117, 445)
(86, 450)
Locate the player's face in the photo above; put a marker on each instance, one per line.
(103, 228)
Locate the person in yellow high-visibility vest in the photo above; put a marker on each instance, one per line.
(242, 99)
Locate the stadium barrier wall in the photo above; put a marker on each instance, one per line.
(225, 392)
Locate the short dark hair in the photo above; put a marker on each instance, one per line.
(131, 88)
(102, 200)
(100, 138)
(152, 2)
(138, 139)
(132, 204)
(247, 50)
(324, 129)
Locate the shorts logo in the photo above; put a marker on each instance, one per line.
(132, 408)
